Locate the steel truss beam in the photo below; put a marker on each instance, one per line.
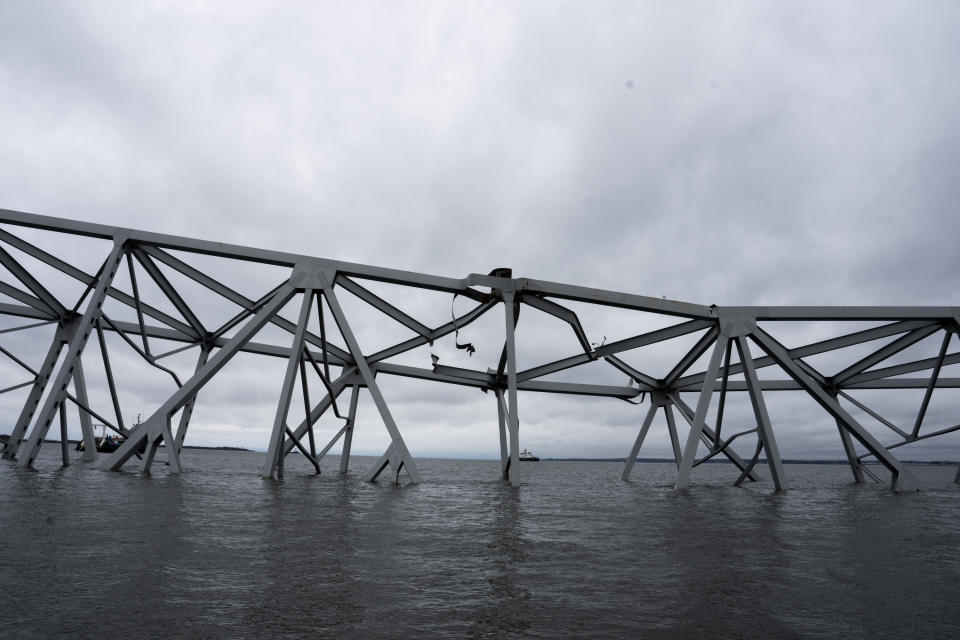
(723, 329)
(77, 342)
(397, 455)
(157, 427)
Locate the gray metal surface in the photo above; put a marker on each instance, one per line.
(315, 282)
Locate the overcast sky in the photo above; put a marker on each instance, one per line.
(729, 153)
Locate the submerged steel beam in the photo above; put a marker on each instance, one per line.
(513, 421)
(760, 412)
(703, 404)
(187, 412)
(348, 434)
(86, 426)
(502, 424)
(275, 453)
(635, 450)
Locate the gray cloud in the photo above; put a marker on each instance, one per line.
(739, 154)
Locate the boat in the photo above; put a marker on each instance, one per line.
(527, 456)
(105, 443)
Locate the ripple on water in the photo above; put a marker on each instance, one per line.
(576, 552)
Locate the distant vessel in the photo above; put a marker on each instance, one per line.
(527, 456)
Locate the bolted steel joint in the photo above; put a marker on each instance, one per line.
(312, 276)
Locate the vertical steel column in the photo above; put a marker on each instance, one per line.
(674, 438)
(723, 394)
(760, 412)
(305, 392)
(275, 453)
(64, 444)
(109, 372)
(86, 426)
(36, 393)
(850, 452)
(703, 405)
(647, 421)
(502, 422)
(397, 454)
(348, 434)
(79, 340)
(188, 408)
(848, 448)
(513, 419)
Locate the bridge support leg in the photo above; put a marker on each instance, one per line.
(847, 441)
(696, 429)
(348, 434)
(674, 438)
(64, 444)
(36, 393)
(397, 454)
(108, 371)
(513, 420)
(173, 452)
(187, 412)
(502, 423)
(632, 458)
(86, 425)
(765, 431)
(276, 451)
(79, 340)
(158, 429)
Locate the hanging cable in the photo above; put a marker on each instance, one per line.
(456, 331)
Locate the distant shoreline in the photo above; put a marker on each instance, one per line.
(656, 460)
(186, 446)
(760, 461)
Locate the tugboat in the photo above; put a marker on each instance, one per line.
(527, 456)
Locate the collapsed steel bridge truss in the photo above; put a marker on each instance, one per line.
(317, 284)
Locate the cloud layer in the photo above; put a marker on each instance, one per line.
(744, 153)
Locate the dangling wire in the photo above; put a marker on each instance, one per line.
(456, 331)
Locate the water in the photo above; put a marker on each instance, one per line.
(220, 552)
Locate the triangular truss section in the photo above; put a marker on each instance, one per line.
(183, 308)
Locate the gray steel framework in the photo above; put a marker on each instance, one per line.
(315, 282)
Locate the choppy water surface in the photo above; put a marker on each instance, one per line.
(220, 552)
